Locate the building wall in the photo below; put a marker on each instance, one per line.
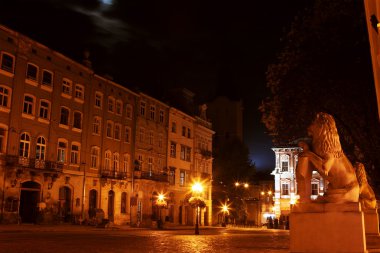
(89, 130)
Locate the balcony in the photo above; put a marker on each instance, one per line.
(32, 163)
(113, 174)
(154, 176)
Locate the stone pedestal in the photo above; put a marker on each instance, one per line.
(371, 221)
(328, 227)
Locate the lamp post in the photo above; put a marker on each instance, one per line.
(224, 210)
(197, 189)
(160, 203)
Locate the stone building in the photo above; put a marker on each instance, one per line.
(285, 185)
(75, 146)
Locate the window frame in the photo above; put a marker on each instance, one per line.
(5, 70)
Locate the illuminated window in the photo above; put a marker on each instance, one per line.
(44, 109)
(161, 117)
(4, 97)
(173, 149)
(314, 189)
(96, 125)
(62, 151)
(117, 132)
(74, 158)
(142, 108)
(98, 99)
(182, 178)
(7, 62)
(127, 136)
(47, 78)
(119, 107)
(79, 92)
(285, 189)
(65, 113)
(66, 87)
(32, 72)
(107, 160)
(150, 165)
(95, 157)
(128, 112)
(111, 104)
(152, 112)
(24, 145)
(40, 148)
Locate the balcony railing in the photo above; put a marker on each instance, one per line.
(106, 173)
(150, 175)
(33, 163)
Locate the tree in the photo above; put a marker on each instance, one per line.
(325, 66)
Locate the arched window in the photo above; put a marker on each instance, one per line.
(75, 153)
(116, 161)
(40, 148)
(24, 145)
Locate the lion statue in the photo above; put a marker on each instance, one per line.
(326, 156)
(367, 196)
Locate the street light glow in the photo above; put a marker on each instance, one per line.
(246, 185)
(161, 197)
(237, 184)
(197, 187)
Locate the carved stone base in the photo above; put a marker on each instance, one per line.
(371, 221)
(317, 227)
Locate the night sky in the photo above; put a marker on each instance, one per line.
(210, 47)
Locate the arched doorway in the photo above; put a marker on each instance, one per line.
(111, 205)
(65, 203)
(29, 199)
(93, 203)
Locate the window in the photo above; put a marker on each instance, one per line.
(123, 204)
(172, 176)
(65, 113)
(96, 125)
(28, 105)
(31, 72)
(151, 137)
(127, 137)
(3, 139)
(182, 177)
(142, 108)
(94, 157)
(109, 129)
(161, 117)
(142, 133)
(98, 99)
(4, 97)
(44, 109)
(185, 153)
(126, 159)
(128, 112)
(188, 133)
(140, 161)
(152, 112)
(116, 162)
(184, 131)
(74, 158)
(47, 78)
(160, 140)
(117, 132)
(284, 166)
(66, 87)
(173, 149)
(111, 104)
(40, 148)
(119, 107)
(150, 165)
(7, 62)
(24, 145)
(62, 151)
(174, 127)
(79, 92)
(314, 189)
(285, 189)
(107, 160)
(77, 120)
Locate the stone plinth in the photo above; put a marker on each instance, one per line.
(371, 221)
(328, 227)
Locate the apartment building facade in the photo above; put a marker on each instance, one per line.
(74, 143)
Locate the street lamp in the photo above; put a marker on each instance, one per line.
(160, 203)
(197, 201)
(224, 210)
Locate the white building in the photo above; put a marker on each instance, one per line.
(285, 185)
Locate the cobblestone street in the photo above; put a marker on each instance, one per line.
(81, 239)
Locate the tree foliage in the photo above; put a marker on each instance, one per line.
(325, 66)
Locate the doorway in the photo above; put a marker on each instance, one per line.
(92, 205)
(111, 205)
(29, 199)
(65, 204)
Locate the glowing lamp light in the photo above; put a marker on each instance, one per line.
(225, 208)
(270, 192)
(237, 184)
(197, 187)
(262, 193)
(161, 197)
(246, 185)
